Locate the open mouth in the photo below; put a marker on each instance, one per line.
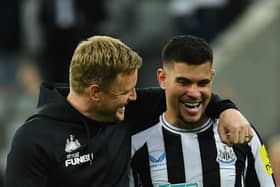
(122, 108)
(191, 105)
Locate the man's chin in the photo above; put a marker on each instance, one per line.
(193, 119)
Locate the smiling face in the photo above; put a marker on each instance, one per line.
(111, 106)
(188, 90)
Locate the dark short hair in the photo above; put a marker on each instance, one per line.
(187, 49)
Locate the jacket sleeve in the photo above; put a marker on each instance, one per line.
(26, 163)
(217, 105)
(150, 104)
(259, 171)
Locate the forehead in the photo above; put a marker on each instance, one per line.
(184, 68)
(124, 81)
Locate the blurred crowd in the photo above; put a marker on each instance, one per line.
(37, 39)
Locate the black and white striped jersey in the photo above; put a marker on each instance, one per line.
(166, 156)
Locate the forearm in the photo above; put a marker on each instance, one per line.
(217, 105)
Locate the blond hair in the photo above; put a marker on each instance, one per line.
(99, 59)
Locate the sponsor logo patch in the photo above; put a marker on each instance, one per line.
(74, 158)
(157, 160)
(265, 161)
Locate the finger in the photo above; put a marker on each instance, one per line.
(234, 136)
(249, 135)
(228, 142)
(246, 137)
(224, 135)
(243, 135)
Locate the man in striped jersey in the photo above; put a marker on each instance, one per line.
(183, 148)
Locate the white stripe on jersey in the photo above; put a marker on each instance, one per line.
(192, 167)
(154, 140)
(259, 165)
(157, 158)
(227, 170)
(190, 144)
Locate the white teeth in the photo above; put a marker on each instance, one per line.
(191, 105)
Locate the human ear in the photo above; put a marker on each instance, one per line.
(94, 92)
(212, 73)
(161, 76)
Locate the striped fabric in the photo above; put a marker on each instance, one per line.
(166, 156)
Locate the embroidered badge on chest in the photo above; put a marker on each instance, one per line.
(72, 144)
(225, 155)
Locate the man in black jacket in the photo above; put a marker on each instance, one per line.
(81, 136)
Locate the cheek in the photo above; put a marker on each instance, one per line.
(120, 102)
(206, 91)
(174, 93)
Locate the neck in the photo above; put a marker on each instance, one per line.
(81, 103)
(179, 122)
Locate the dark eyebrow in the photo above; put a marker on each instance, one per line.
(179, 79)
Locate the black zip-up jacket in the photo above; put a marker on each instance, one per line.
(59, 147)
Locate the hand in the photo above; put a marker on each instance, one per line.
(234, 128)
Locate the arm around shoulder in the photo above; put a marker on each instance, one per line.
(149, 105)
(233, 127)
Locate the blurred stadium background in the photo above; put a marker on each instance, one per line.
(37, 38)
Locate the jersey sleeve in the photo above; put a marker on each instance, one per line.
(259, 171)
(217, 105)
(26, 163)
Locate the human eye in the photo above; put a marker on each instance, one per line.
(203, 82)
(127, 92)
(183, 81)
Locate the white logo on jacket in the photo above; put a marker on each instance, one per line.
(75, 158)
(71, 144)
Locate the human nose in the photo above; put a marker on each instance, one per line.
(193, 91)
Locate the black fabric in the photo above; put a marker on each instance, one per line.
(174, 157)
(38, 156)
(251, 173)
(197, 158)
(150, 104)
(143, 168)
(217, 105)
(208, 153)
(241, 152)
